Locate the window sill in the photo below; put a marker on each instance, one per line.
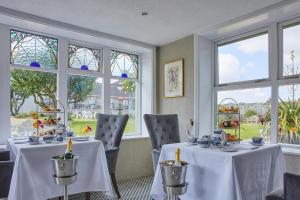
(290, 149)
(2, 147)
(134, 137)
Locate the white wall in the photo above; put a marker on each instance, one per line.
(182, 106)
(205, 86)
(4, 84)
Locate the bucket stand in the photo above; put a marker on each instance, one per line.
(65, 181)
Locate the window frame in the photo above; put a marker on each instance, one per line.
(87, 45)
(138, 81)
(276, 78)
(281, 27)
(63, 70)
(43, 69)
(237, 38)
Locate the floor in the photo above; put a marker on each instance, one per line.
(138, 189)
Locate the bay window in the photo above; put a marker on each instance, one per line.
(264, 81)
(93, 82)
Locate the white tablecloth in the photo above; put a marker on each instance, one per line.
(216, 175)
(32, 176)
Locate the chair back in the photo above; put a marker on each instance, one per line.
(6, 170)
(4, 156)
(291, 186)
(163, 129)
(110, 129)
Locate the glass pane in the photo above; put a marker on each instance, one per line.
(124, 65)
(255, 110)
(123, 101)
(289, 114)
(84, 102)
(28, 90)
(84, 58)
(291, 51)
(33, 50)
(244, 60)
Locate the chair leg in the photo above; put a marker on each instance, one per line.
(87, 196)
(114, 182)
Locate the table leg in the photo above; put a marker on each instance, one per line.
(87, 196)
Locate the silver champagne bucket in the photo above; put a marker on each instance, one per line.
(173, 176)
(64, 168)
(64, 172)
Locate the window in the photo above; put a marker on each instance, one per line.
(257, 103)
(255, 107)
(84, 58)
(29, 88)
(243, 60)
(124, 65)
(289, 114)
(123, 101)
(33, 50)
(124, 87)
(28, 91)
(291, 50)
(40, 74)
(84, 102)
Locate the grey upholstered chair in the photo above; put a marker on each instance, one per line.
(290, 191)
(163, 129)
(6, 170)
(110, 130)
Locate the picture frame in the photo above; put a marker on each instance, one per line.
(174, 80)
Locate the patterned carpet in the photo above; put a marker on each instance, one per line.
(138, 189)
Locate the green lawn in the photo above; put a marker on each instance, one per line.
(78, 125)
(248, 130)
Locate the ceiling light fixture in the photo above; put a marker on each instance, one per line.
(144, 13)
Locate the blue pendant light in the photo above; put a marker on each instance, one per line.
(84, 67)
(35, 64)
(124, 75)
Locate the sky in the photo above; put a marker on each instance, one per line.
(248, 60)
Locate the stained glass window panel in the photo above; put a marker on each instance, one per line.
(124, 65)
(84, 58)
(33, 50)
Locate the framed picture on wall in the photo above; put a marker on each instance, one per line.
(174, 78)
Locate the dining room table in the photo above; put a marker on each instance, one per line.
(32, 177)
(241, 172)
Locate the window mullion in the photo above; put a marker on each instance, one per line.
(106, 81)
(274, 69)
(62, 74)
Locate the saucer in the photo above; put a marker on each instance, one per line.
(35, 143)
(81, 138)
(257, 144)
(229, 149)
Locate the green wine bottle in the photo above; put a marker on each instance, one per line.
(68, 152)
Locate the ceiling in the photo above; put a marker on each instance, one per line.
(168, 19)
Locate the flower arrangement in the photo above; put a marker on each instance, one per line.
(37, 123)
(87, 130)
